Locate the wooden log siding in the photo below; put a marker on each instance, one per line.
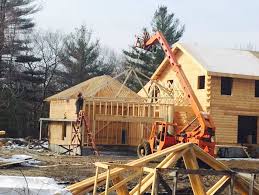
(225, 109)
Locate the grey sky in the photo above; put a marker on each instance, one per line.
(221, 23)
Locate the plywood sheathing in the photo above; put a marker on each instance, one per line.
(101, 86)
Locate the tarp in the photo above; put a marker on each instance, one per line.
(17, 185)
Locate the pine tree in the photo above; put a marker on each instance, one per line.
(147, 62)
(15, 23)
(81, 57)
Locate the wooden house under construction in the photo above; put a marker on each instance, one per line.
(116, 114)
(226, 83)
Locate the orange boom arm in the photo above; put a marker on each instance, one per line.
(203, 133)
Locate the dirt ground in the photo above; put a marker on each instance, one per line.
(63, 168)
(70, 169)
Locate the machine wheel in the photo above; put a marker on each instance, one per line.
(143, 149)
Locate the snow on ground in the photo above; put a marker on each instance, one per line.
(25, 160)
(17, 185)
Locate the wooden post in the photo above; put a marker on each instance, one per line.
(175, 182)
(122, 109)
(149, 110)
(154, 184)
(100, 107)
(140, 179)
(251, 187)
(40, 129)
(89, 109)
(190, 162)
(107, 181)
(111, 108)
(105, 109)
(116, 131)
(94, 119)
(96, 179)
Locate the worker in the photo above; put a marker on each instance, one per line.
(79, 103)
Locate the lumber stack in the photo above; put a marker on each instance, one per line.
(147, 176)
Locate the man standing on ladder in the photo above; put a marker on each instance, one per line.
(79, 103)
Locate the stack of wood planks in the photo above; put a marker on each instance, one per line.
(146, 176)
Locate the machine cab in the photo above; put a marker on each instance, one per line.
(162, 136)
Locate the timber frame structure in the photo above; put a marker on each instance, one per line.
(116, 115)
(123, 174)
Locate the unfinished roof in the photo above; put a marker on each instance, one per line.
(219, 62)
(101, 86)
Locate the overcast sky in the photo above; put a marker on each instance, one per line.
(218, 23)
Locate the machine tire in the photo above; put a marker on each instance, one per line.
(143, 149)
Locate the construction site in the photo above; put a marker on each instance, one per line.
(191, 128)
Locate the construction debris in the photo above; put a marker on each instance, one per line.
(147, 175)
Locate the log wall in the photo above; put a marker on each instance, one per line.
(225, 109)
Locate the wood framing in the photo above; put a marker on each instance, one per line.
(190, 153)
(116, 114)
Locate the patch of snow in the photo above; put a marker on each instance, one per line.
(16, 185)
(28, 160)
(21, 157)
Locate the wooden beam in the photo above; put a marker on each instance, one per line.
(107, 181)
(147, 181)
(96, 178)
(88, 183)
(154, 184)
(217, 185)
(175, 158)
(190, 162)
(127, 119)
(121, 188)
(124, 82)
(211, 161)
(107, 165)
(119, 181)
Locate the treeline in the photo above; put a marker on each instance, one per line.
(35, 64)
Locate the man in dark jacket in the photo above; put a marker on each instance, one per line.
(79, 103)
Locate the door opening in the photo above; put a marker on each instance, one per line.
(123, 136)
(247, 129)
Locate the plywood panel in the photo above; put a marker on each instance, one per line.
(55, 133)
(63, 109)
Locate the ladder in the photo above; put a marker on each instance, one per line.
(80, 128)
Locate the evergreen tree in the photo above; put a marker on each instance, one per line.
(81, 57)
(147, 62)
(15, 23)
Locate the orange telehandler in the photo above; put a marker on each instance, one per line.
(165, 134)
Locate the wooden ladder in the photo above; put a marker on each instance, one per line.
(90, 140)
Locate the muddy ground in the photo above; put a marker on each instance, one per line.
(63, 168)
(70, 169)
